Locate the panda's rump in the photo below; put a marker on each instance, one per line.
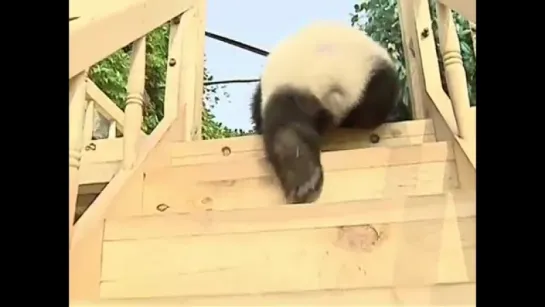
(329, 62)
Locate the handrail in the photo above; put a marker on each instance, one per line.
(93, 38)
(423, 64)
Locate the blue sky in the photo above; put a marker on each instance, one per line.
(262, 24)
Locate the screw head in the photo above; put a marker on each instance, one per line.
(91, 146)
(425, 33)
(162, 207)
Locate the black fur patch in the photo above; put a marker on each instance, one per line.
(378, 100)
(292, 125)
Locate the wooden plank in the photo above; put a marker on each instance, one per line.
(85, 265)
(272, 218)
(151, 151)
(181, 194)
(463, 294)
(420, 253)
(409, 129)
(101, 164)
(129, 203)
(92, 38)
(464, 153)
(335, 144)
(104, 150)
(93, 173)
(350, 175)
(440, 106)
(331, 161)
(413, 67)
(466, 8)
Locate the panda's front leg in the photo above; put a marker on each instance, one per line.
(294, 153)
(292, 124)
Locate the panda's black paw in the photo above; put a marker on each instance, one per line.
(306, 184)
(296, 161)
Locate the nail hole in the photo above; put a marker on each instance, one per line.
(374, 138)
(162, 207)
(425, 33)
(91, 146)
(226, 151)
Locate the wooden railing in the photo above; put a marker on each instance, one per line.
(97, 30)
(100, 28)
(93, 38)
(422, 63)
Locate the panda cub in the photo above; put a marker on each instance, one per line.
(324, 76)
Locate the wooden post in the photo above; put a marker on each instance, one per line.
(77, 107)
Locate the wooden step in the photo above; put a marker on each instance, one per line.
(461, 294)
(235, 183)
(391, 135)
(100, 161)
(339, 249)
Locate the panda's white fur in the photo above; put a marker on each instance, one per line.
(320, 57)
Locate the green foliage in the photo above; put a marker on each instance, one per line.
(111, 76)
(380, 20)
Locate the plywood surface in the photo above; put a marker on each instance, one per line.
(391, 135)
(460, 294)
(100, 163)
(412, 253)
(349, 175)
(388, 210)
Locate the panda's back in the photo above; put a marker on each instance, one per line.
(321, 58)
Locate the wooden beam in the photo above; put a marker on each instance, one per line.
(397, 134)
(85, 265)
(273, 218)
(95, 214)
(104, 105)
(93, 38)
(466, 8)
(424, 249)
(350, 175)
(458, 294)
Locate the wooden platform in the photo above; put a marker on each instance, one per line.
(207, 226)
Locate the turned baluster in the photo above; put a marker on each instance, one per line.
(454, 69)
(135, 103)
(77, 108)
